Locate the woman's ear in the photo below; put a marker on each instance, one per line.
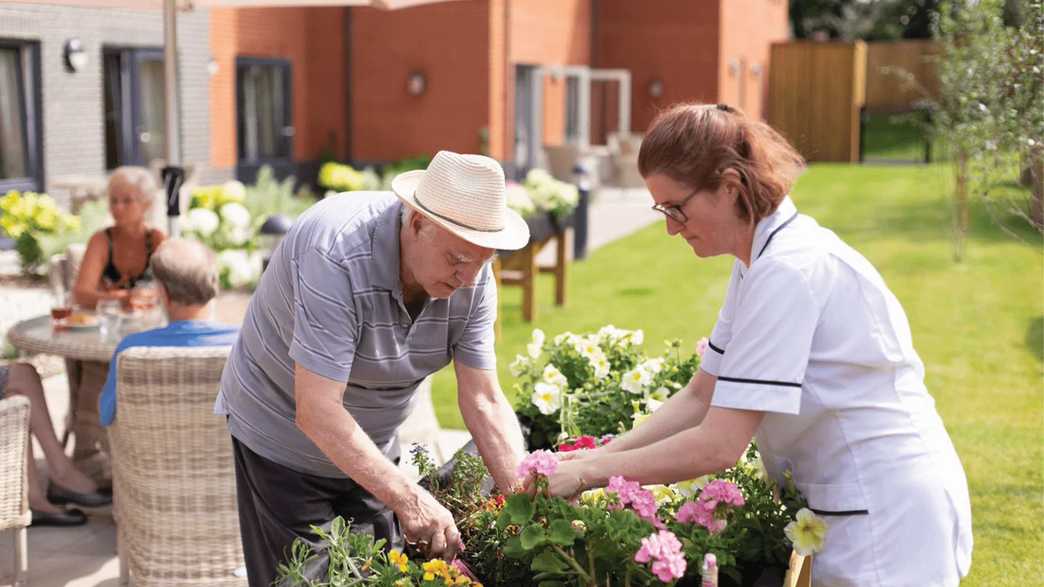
(730, 184)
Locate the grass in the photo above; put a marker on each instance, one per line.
(978, 326)
(898, 138)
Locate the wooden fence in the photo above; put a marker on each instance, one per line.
(886, 88)
(818, 90)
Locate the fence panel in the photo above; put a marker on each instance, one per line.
(816, 92)
(888, 92)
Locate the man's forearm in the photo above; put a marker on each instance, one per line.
(495, 429)
(341, 439)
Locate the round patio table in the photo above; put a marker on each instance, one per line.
(39, 335)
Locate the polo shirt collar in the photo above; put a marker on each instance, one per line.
(767, 228)
(385, 243)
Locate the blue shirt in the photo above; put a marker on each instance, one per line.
(182, 333)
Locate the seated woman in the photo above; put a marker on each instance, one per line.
(117, 259)
(67, 483)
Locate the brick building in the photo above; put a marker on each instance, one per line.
(292, 86)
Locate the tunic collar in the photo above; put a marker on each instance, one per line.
(767, 228)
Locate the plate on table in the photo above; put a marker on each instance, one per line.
(81, 321)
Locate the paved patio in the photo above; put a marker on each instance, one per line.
(86, 556)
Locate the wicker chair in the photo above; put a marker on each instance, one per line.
(14, 504)
(173, 475)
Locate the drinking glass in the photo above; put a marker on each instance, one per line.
(61, 307)
(109, 316)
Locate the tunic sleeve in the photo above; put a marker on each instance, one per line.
(771, 336)
(722, 333)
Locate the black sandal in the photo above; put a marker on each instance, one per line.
(67, 518)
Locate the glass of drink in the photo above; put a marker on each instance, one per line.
(61, 308)
(109, 316)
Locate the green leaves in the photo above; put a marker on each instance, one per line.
(520, 508)
(561, 532)
(533, 536)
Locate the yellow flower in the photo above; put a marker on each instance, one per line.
(807, 532)
(436, 567)
(399, 559)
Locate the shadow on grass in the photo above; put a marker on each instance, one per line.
(989, 221)
(1035, 337)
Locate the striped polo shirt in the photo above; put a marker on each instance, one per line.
(331, 300)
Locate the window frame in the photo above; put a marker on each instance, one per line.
(30, 98)
(287, 139)
(130, 58)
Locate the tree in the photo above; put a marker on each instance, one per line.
(990, 108)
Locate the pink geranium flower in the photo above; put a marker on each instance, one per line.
(630, 493)
(541, 462)
(710, 507)
(663, 549)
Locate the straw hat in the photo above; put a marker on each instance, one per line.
(465, 194)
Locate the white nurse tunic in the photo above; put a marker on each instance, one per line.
(810, 335)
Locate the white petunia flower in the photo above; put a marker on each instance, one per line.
(553, 376)
(547, 398)
(635, 380)
(519, 365)
(652, 366)
(690, 487)
(237, 266)
(652, 405)
(601, 366)
(236, 215)
(661, 394)
(536, 346)
(202, 221)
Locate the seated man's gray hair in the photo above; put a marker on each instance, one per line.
(188, 271)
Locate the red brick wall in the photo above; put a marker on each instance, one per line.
(546, 32)
(748, 28)
(450, 44)
(312, 40)
(676, 41)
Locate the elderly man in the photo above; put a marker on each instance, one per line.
(187, 275)
(366, 296)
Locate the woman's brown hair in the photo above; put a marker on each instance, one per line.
(695, 144)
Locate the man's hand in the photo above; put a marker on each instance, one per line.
(428, 525)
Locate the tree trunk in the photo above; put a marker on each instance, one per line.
(1033, 178)
(960, 196)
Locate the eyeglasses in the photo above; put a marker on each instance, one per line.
(674, 211)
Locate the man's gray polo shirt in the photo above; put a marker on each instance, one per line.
(331, 300)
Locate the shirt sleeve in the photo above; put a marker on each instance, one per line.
(325, 324)
(771, 338)
(476, 346)
(722, 333)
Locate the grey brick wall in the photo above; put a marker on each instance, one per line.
(73, 103)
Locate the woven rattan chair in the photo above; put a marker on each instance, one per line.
(14, 503)
(173, 475)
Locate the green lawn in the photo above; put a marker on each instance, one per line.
(978, 326)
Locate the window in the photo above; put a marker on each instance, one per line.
(21, 153)
(264, 124)
(135, 133)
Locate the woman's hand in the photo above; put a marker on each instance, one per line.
(568, 480)
(580, 455)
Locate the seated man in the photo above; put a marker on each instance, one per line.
(67, 485)
(188, 280)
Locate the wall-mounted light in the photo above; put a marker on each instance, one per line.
(416, 83)
(755, 70)
(734, 67)
(74, 55)
(212, 67)
(656, 88)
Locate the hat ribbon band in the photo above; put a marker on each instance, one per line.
(416, 198)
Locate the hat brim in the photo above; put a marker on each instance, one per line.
(514, 235)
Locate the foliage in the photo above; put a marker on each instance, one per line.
(28, 217)
(593, 384)
(227, 218)
(341, 177)
(991, 78)
(544, 194)
(862, 19)
(611, 536)
(356, 559)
